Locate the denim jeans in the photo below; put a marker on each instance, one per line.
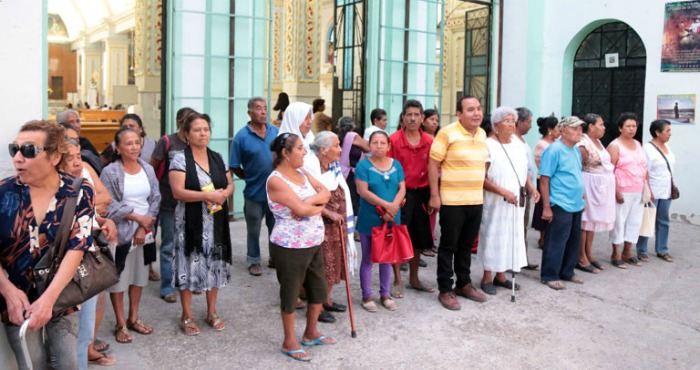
(167, 236)
(86, 330)
(663, 209)
(562, 242)
(459, 226)
(254, 211)
(61, 342)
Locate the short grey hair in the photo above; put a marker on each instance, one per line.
(63, 115)
(252, 101)
(322, 140)
(500, 113)
(523, 114)
(346, 121)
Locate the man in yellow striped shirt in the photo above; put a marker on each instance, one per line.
(458, 158)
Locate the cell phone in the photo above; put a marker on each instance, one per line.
(523, 195)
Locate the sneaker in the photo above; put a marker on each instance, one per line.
(469, 292)
(389, 304)
(449, 301)
(369, 306)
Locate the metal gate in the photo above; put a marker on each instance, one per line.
(609, 91)
(348, 76)
(477, 52)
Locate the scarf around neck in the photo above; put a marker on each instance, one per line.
(193, 210)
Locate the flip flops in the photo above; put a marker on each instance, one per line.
(301, 351)
(103, 360)
(634, 261)
(397, 291)
(618, 263)
(587, 268)
(189, 327)
(323, 340)
(556, 284)
(421, 288)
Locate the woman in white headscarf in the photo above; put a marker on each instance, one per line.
(297, 120)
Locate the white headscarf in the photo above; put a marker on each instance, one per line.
(294, 116)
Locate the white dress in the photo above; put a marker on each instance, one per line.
(501, 227)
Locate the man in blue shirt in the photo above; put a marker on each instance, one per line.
(561, 182)
(251, 160)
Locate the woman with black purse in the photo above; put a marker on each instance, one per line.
(33, 203)
(132, 184)
(660, 161)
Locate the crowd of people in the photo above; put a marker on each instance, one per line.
(312, 182)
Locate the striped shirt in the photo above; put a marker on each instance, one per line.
(462, 157)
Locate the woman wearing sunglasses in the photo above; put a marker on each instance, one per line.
(33, 202)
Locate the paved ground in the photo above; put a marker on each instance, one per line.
(643, 317)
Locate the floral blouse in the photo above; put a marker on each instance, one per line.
(294, 233)
(23, 242)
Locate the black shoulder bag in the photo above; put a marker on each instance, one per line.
(95, 273)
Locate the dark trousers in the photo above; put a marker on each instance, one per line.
(459, 226)
(414, 215)
(562, 241)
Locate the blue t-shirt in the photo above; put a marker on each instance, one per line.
(384, 184)
(563, 167)
(252, 154)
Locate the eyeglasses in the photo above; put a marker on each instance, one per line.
(28, 151)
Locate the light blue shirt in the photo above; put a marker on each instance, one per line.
(562, 165)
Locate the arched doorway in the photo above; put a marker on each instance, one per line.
(608, 90)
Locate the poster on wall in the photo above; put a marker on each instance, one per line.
(681, 39)
(677, 109)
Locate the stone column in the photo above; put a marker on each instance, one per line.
(89, 71)
(301, 52)
(116, 65)
(147, 66)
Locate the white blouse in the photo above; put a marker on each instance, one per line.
(659, 177)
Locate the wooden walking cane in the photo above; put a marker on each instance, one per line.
(344, 256)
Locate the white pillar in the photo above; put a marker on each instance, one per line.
(115, 67)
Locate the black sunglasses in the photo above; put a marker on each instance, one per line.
(28, 151)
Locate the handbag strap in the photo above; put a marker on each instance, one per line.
(509, 161)
(664, 157)
(59, 248)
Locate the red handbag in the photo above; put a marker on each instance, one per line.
(390, 243)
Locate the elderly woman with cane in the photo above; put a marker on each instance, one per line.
(337, 216)
(501, 237)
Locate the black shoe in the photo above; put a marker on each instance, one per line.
(326, 317)
(335, 307)
(404, 267)
(422, 263)
(488, 288)
(505, 284)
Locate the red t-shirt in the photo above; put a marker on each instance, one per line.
(413, 159)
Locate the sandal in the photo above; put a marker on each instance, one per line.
(618, 263)
(665, 256)
(598, 265)
(397, 291)
(369, 306)
(556, 284)
(587, 268)
(122, 335)
(100, 345)
(643, 257)
(428, 253)
(300, 305)
(215, 322)
(103, 360)
(574, 279)
(421, 288)
(153, 276)
(189, 327)
(139, 327)
(389, 304)
(632, 261)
